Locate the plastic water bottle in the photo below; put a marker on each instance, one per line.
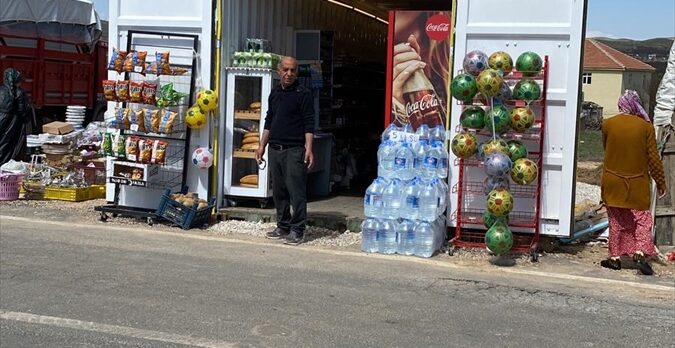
(386, 237)
(440, 230)
(405, 234)
(386, 156)
(392, 199)
(428, 202)
(424, 239)
(386, 135)
(373, 202)
(442, 188)
(403, 163)
(430, 163)
(369, 235)
(407, 129)
(423, 132)
(411, 200)
(442, 166)
(420, 149)
(437, 134)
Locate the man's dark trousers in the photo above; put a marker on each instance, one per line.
(289, 186)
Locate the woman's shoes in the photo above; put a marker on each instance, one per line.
(611, 264)
(642, 264)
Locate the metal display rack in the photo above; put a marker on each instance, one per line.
(173, 173)
(524, 219)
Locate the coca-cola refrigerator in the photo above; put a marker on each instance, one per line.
(419, 56)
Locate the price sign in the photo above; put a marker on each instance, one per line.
(134, 127)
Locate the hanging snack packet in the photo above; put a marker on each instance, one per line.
(167, 121)
(117, 60)
(135, 62)
(132, 148)
(145, 146)
(147, 120)
(161, 64)
(107, 145)
(109, 87)
(135, 92)
(155, 120)
(150, 92)
(136, 120)
(119, 147)
(121, 117)
(159, 152)
(122, 90)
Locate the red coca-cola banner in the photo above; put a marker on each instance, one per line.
(418, 72)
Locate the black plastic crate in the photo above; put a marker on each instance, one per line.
(185, 217)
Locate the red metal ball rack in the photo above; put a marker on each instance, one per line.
(470, 230)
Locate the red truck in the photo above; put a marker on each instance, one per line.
(58, 74)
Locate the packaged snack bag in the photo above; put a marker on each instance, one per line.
(132, 148)
(135, 62)
(135, 92)
(117, 60)
(109, 92)
(122, 90)
(107, 145)
(145, 146)
(159, 152)
(150, 92)
(167, 121)
(121, 117)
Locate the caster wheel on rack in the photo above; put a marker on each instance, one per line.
(150, 221)
(451, 250)
(103, 217)
(231, 203)
(534, 256)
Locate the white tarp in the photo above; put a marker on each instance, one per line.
(72, 21)
(665, 96)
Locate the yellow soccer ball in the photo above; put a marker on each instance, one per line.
(195, 118)
(207, 100)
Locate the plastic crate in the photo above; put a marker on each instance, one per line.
(71, 194)
(9, 186)
(185, 217)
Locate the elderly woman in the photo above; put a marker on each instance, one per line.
(631, 161)
(13, 117)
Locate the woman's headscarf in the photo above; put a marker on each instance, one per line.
(630, 103)
(12, 77)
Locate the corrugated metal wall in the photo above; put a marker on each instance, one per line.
(276, 20)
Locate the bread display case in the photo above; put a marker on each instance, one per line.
(247, 93)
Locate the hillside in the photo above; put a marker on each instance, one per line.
(641, 49)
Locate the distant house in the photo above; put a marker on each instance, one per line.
(608, 72)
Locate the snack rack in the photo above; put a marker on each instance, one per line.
(524, 219)
(172, 174)
(248, 90)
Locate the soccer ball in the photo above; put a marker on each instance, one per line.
(195, 118)
(496, 146)
(464, 145)
(501, 61)
(499, 239)
(499, 202)
(522, 119)
(527, 90)
(524, 171)
(489, 82)
(494, 182)
(207, 100)
(473, 117)
(490, 219)
(475, 62)
(503, 95)
(497, 165)
(463, 87)
(202, 158)
(501, 117)
(517, 149)
(529, 63)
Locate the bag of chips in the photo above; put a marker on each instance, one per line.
(167, 121)
(161, 64)
(159, 152)
(150, 92)
(109, 92)
(145, 150)
(117, 60)
(155, 120)
(122, 90)
(135, 62)
(136, 120)
(132, 148)
(107, 145)
(119, 146)
(121, 117)
(135, 92)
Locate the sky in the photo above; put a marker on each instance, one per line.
(631, 19)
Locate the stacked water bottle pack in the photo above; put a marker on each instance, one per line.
(404, 205)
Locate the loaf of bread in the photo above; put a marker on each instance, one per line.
(255, 106)
(251, 134)
(251, 146)
(251, 140)
(249, 179)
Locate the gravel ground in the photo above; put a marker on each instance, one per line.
(587, 191)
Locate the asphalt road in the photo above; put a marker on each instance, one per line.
(69, 286)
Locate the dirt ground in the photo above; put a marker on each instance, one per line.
(589, 172)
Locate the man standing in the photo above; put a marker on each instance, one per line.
(289, 130)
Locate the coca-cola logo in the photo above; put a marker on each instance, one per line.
(438, 27)
(428, 101)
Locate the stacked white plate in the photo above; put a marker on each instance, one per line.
(75, 116)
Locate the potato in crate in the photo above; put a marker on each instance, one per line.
(186, 210)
